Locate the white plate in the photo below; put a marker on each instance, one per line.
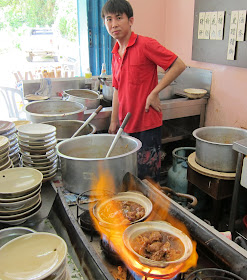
(39, 161)
(38, 155)
(42, 167)
(35, 256)
(36, 129)
(36, 138)
(21, 215)
(5, 166)
(19, 206)
(5, 126)
(4, 142)
(22, 220)
(36, 142)
(15, 199)
(19, 181)
(46, 146)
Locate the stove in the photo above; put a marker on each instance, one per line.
(219, 257)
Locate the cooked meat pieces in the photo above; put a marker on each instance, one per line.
(158, 246)
(121, 211)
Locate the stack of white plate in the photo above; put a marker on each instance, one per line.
(36, 256)
(8, 130)
(37, 143)
(19, 194)
(5, 161)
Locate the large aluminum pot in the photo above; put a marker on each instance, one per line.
(83, 160)
(87, 97)
(49, 110)
(214, 147)
(66, 128)
(107, 89)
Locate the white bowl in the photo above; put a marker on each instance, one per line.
(34, 255)
(19, 181)
(124, 196)
(136, 229)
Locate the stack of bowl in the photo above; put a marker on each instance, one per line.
(38, 255)
(37, 143)
(5, 161)
(8, 130)
(19, 194)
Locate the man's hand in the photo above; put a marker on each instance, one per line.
(154, 101)
(113, 128)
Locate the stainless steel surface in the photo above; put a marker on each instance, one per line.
(89, 98)
(240, 146)
(10, 233)
(48, 110)
(214, 147)
(83, 160)
(66, 128)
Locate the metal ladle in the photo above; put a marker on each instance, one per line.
(87, 121)
(126, 119)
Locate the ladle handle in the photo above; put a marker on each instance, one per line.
(88, 120)
(126, 119)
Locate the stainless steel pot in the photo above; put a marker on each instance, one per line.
(214, 147)
(66, 128)
(49, 110)
(87, 97)
(83, 160)
(107, 90)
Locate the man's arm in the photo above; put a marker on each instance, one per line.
(153, 98)
(114, 125)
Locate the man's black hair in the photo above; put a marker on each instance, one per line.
(117, 7)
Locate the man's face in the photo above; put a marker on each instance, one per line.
(118, 26)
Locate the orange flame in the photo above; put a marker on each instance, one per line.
(114, 234)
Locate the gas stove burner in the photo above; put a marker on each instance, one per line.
(86, 222)
(111, 255)
(212, 274)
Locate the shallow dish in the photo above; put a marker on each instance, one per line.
(7, 234)
(25, 137)
(15, 199)
(5, 166)
(19, 181)
(24, 141)
(195, 93)
(19, 206)
(36, 129)
(130, 196)
(6, 126)
(139, 228)
(22, 220)
(37, 155)
(35, 255)
(4, 142)
(26, 212)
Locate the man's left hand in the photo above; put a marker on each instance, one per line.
(154, 101)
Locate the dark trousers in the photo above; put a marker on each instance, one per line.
(149, 156)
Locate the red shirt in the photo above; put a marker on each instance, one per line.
(135, 76)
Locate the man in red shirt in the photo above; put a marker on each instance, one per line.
(134, 77)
